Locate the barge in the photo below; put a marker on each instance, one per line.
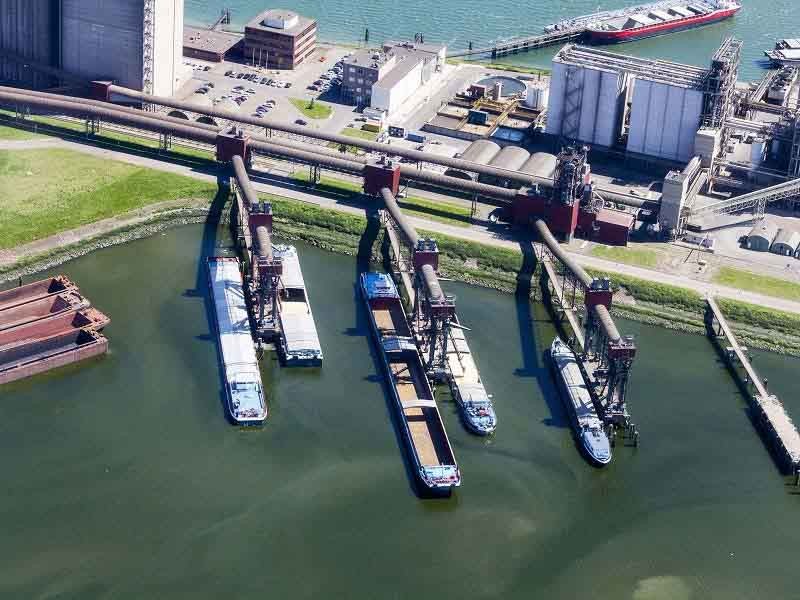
(786, 52)
(243, 389)
(422, 427)
(45, 325)
(583, 416)
(466, 386)
(48, 306)
(299, 342)
(34, 291)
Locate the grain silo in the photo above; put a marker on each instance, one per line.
(137, 43)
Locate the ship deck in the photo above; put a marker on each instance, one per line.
(237, 351)
(298, 329)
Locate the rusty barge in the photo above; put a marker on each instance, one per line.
(45, 325)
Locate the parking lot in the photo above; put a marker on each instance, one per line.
(265, 93)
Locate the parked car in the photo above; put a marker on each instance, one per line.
(251, 91)
(300, 122)
(228, 73)
(361, 119)
(209, 85)
(264, 80)
(239, 75)
(201, 90)
(288, 84)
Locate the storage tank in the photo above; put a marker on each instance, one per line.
(536, 95)
(510, 158)
(664, 120)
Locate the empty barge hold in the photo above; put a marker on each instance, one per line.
(34, 291)
(49, 306)
(299, 340)
(467, 387)
(243, 388)
(583, 415)
(422, 424)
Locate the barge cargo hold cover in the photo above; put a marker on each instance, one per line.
(299, 340)
(243, 388)
(421, 423)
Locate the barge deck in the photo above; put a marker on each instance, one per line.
(300, 344)
(466, 385)
(34, 291)
(419, 415)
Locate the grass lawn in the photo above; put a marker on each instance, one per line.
(451, 213)
(627, 255)
(762, 284)
(72, 128)
(52, 190)
(12, 133)
(352, 132)
(317, 110)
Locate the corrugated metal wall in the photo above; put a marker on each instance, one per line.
(664, 120)
(103, 38)
(586, 104)
(27, 29)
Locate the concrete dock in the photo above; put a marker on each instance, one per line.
(768, 412)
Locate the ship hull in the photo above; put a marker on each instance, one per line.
(601, 37)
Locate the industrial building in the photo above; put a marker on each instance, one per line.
(280, 39)
(383, 79)
(502, 108)
(604, 98)
(96, 39)
(211, 45)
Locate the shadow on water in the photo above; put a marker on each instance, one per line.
(209, 247)
(534, 364)
(363, 328)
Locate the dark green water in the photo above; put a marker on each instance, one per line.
(124, 480)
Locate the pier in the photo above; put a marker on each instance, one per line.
(523, 44)
(768, 412)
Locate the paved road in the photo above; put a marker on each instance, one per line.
(475, 233)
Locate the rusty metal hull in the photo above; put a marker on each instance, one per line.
(50, 306)
(37, 356)
(34, 291)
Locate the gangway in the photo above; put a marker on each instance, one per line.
(523, 44)
(769, 413)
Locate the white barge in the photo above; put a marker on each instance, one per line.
(299, 343)
(466, 385)
(587, 425)
(243, 388)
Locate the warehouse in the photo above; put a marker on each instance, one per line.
(786, 242)
(96, 39)
(761, 236)
(385, 78)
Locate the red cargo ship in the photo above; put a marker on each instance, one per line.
(660, 19)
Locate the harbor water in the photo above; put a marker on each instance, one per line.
(759, 24)
(124, 479)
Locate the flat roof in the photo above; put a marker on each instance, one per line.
(303, 23)
(209, 41)
(616, 217)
